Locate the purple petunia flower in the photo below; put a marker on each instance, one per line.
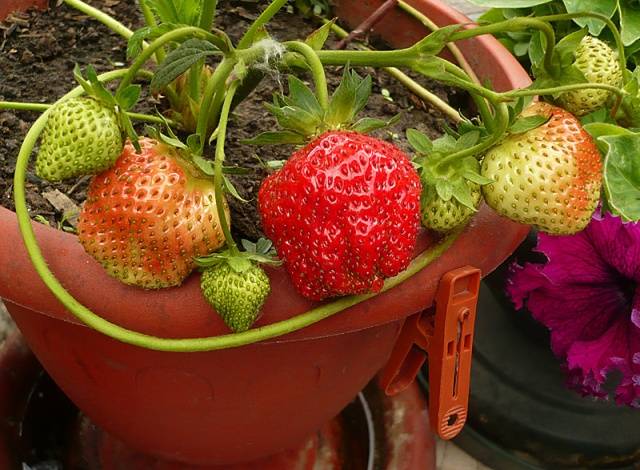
(588, 295)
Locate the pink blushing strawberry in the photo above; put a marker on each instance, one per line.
(147, 217)
(343, 214)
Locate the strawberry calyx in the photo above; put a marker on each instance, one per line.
(447, 179)
(260, 252)
(302, 117)
(123, 101)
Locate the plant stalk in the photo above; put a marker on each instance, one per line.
(208, 14)
(42, 107)
(107, 20)
(317, 70)
(219, 161)
(262, 20)
(150, 20)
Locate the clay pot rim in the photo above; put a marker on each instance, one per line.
(182, 312)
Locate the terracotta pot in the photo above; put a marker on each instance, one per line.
(239, 404)
(9, 6)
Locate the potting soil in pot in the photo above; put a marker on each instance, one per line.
(39, 50)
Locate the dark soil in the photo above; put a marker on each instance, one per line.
(39, 50)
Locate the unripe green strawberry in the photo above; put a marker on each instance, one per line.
(82, 137)
(443, 216)
(549, 177)
(236, 296)
(599, 64)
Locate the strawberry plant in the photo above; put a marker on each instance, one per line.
(343, 211)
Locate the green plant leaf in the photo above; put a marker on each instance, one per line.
(525, 124)
(461, 191)
(604, 7)
(301, 95)
(134, 45)
(420, 142)
(367, 124)
(317, 38)
(231, 189)
(348, 99)
(435, 42)
(128, 97)
(177, 11)
(295, 119)
(276, 138)
(629, 21)
(622, 175)
(444, 189)
(206, 166)
(180, 60)
(467, 140)
(239, 263)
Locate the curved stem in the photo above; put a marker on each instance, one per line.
(215, 87)
(150, 20)
(513, 25)
(219, 161)
(110, 22)
(42, 107)
(317, 70)
(610, 24)
(502, 124)
(413, 86)
(396, 58)
(157, 44)
(560, 89)
(455, 51)
(263, 19)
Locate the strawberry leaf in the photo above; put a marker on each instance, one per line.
(206, 166)
(275, 138)
(300, 95)
(604, 7)
(180, 60)
(528, 123)
(444, 189)
(367, 124)
(467, 140)
(622, 175)
(128, 97)
(462, 193)
(231, 189)
(435, 42)
(317, 38)
(420, 142)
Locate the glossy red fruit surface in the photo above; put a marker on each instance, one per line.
(343, 214)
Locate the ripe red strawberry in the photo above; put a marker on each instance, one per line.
(343, 214)
(549, 177)
(147, 217)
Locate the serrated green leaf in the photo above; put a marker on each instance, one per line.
(264, 245)
(239, 264)
(467, 140)
(420, 142)
(536, 48)
(206, 166)
(604, 7)
(231, 189)
(348, 99)
(134, 45)
(275, 138)
(180, 60)
(317, 38)
(295, 119)
(128, 97)
(601, 115)
(444, 189)
(301, 95)
(527, 123)
(248, 245)
(629, 22)
(367, 124)
(462, 193)
(598, 129)
(622, 175)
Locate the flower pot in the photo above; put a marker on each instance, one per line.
(238, 404)
(9, 6)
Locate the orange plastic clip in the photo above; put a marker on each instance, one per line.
(447, 339)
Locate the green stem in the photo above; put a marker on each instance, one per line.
(563, 88)
(110, 22)
(146, 54)
(219, 161)
(208, 14)
(396, 58)
(610, 24)
(215, 86)
(317, 70)
(262, 20)
(150, 20)
(408, 82)
(455, 51)
(514, 25)
(502, 125)
(42, 107)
